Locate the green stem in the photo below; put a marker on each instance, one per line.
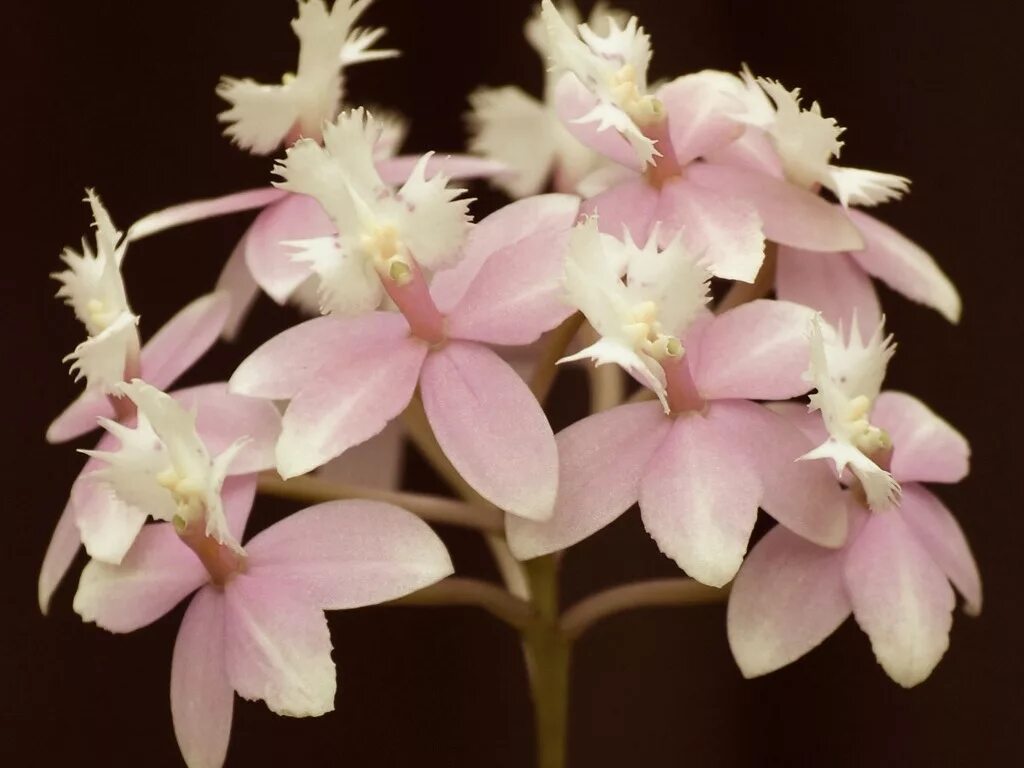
(548, 652)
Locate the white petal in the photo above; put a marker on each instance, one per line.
(436, 222)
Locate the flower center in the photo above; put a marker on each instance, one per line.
(644, 329)
(387, 252)
(186, 492)
(644, 108)
(100, 315)
(868, 438)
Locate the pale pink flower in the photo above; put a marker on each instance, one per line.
(669, 144)
(256, 626)
(893, 574)
(347, 377)
(703, 459)
(106, 525)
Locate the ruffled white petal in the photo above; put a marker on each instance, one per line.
(856, 186)
(434, 221)
(348, 283)
(101, 359)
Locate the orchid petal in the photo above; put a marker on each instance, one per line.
(107, 525)
(790, 215)
(904, 266)
(184, 339)
(601, 460)
(786, 599)
(277, 647)
(926, 448)
(268, 254)
(80, 417)
(576, 106)
(158, 572)
(699, 109)
(940, 534)
(60, 553)
(347, 554)
(626, 207)
(198, 210)
(202, 700)
(236, 281)
(491, 427)
(698, 499)
(901, 598)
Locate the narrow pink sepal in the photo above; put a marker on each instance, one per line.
(753, 150)
(184, 339)
(158, 572)
(786, 599)
(347, 554)
(601, 460)
(698, 110)
(790, 215)
(626, 207)
(235, 279)
(491, 427)
(757, 351)
(396, 170)
(904, 266)
(223, 418)
(60, 553)
(832, 283)
(900, 596)
(573, 101)
(351, 398)
(277, 647)
(495, 235)
(198, 210)
(699, 498)
(295, 217)
(926, 448)
(202, 700)
(721, 227)
(80, 416)
(938, 531)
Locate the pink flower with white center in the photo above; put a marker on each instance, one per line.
(893, 574)
(524, 133)
(668, 143)
(92, 285)
(256, 625)
(106, 525)
(347, 377)
(705, 458)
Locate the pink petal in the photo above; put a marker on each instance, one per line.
(786, 599)
(236, 281)
(901, 598)
(757, 351)
(698, 115)
(699, 498)
(158, 572)
(352, 398)
(601, 460)
(810, 423)
(237, 495)
(223, 418)
(347, 554)
(500, 232)
(802, 495)
(627, 207)
(107, 526)
(940, 534)
(832, 283)
(197, 210)
(295, 217)
(904, 266)
(184, 339)
(723, 227)
(80, 417)
(518, 294)
(491, 428)
(790, 215)
(926, 448)
(60, 553)
(377, 463)
(573, 101)
(201, 696)
(396, 170)
(285, 364)
(277, 647)
(753, 150)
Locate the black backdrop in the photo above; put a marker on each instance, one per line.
(120, 95)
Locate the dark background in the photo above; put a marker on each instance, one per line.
(120, 95)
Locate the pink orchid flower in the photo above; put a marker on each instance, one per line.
(256, 625)
(893, 574)
(106, 526)
(667, 143)
(347, 377)
(705, 458)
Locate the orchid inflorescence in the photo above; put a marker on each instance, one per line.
(446, 331)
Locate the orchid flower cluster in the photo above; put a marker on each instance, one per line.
(634, 203)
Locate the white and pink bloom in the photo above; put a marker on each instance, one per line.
(894, 572)
(703, 459)
(256, 625)
(347, 377)
(670, 144)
